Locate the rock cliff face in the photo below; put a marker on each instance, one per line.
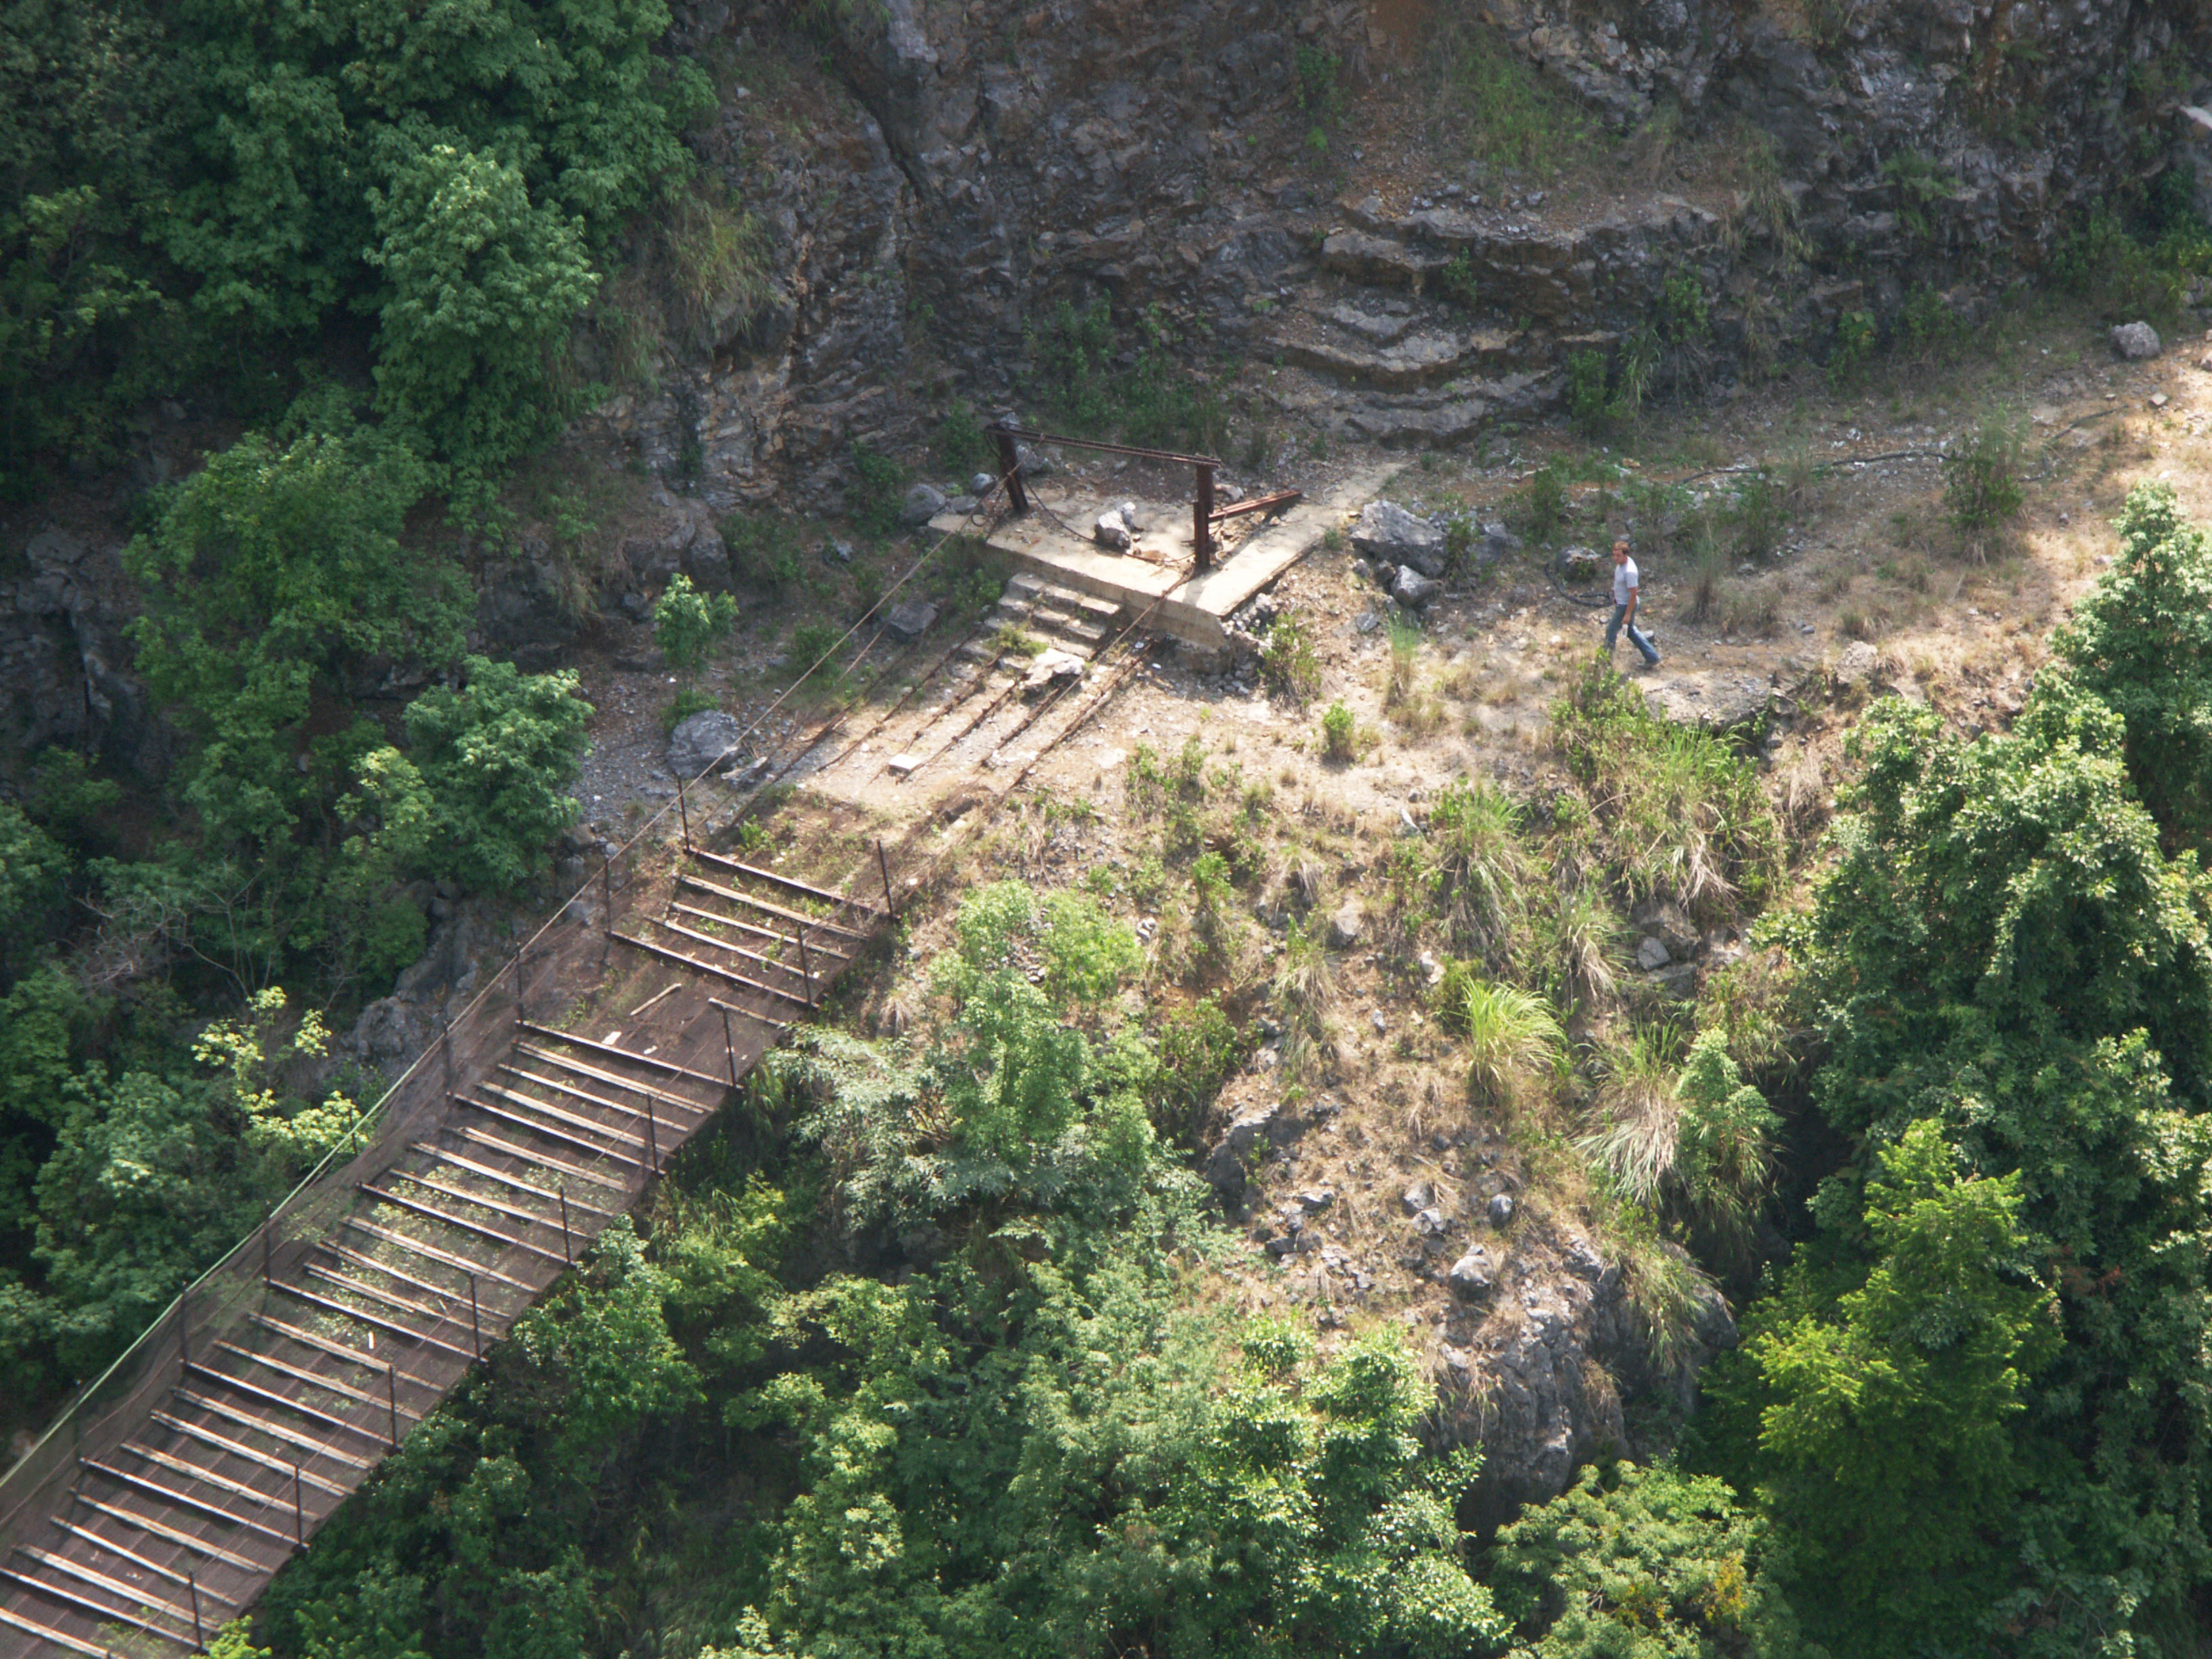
(971, 166)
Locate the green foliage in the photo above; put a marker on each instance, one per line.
(1681, 812)
(1492, 99)
(1981, 479)
(2141, 642)
(185, 187)
(1509, 1031)
(959, 446)
(686, 622)
(1922, 186)
(496, 757)
(1886, 1446)
(875, 500)
(1479, 873)
(1199, 1050)
(1339, 732)
(1635, 1562)
(1289, 663)
(1855, 343)
(1542, 504)
(1455, 281)
(1155, 401)
(33, 867)
(479, 285)
(763, 552)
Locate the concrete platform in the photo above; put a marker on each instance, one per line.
(1160, 589)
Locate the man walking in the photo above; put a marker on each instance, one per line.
(1625, 592)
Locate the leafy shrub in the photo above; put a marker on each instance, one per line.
(1541, 505)
(1981, 479)
(810, 643)
(1455, 281)
(959, 446)
(1855, 341)
(1199, 1050)
(1339, 732)
(1289, 665)
(1479, 873)
(763, 552)
(876, 499)
(497, 756)
(686, 622)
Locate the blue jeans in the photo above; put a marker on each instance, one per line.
(1635, 637)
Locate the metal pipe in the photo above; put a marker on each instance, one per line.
(567, 1254)
(199, 1636)
(730, 1046)
(392, 1401)
(299, 1509)
(685, 810)
(184, 1324)
(884, 869)
(1176, 456)
(447, 1044)
(475, 1321)
(652, 1134)
(521, 1013)
(806, 967)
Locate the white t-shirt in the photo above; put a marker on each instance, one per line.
(1624, 581)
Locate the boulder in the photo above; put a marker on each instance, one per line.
(909, 619)
(1049, 668)
(981, 483)
(1580, 567)
(1472, 1274)
(1388, 533)
(2135, 341)
(703, 741)
(1413, 589)
(1652, 953)
(923, 503)
(1418, 1197)
(1858, 665)
(1344, 927)
(1719, 703)
(1112, 531)
(1500, 1211)
(1226, 1160)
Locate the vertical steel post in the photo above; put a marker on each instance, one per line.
(392, 1401)
(652, 1134)
(567, 1254)
(199, 1636)
(686, 811)
(1010, 468)
(521, 1013)
(299, 1510)
(607, 882)
(475, 1321)
(184, 1333)
(1202, 513)
(447, 1044)
(730, 1048)
(806, 967)
(264, 1246)
(884, 869)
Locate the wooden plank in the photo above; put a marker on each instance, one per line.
(811, 923)
(170, 1494)
(360, 1356)
(385, 1268)
(101, 1541)
(129, 1593)
(408, 1332)
(783, 936)
(283, 1466)
(776, 879)
(661, 1096)
(551, 1195)
(338, 1281)
(268, 1397)
(497, 1207)
(574, 1120)
(160, 1530)
(752, 1014)
(283, 1431)
(729, 973)
(541, 1160)
(431, 1213)
(205, 1477)
(681, 932)
(721, 921)
(106, 1615)
(329, 1384)
(59, 1638)
(522, 1122)
(635, 1059)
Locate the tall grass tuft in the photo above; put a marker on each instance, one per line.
(1479, 872)
(1509, 1031)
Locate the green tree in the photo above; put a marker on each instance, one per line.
(1888, 1444)
(480, 285)
(497, 756)
(2140, 641)
(686, 622)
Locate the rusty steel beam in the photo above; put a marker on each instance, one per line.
(1258, 504)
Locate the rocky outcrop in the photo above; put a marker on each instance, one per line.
(64, 657)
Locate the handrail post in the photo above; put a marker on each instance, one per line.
(1202, 513)
(652, 1133)
(805, 968)
(521, 1013)
(568, 1253)
(199, 1636)
(446, 1045)
(475, 1321)
(1010, 468)
(685, 811)
(884, 869)
(730, 1048)
(392, 1401)
(184, 1330)
(299, 1510)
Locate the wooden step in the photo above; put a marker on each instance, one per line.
(154, 1528)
